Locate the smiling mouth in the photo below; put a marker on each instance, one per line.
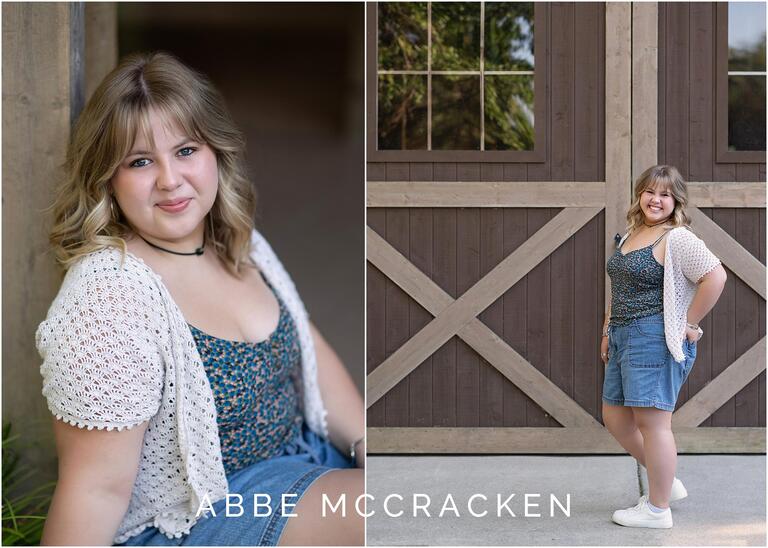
(174, 206)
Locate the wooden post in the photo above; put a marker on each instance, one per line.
(618, 137)
(100, 43)
(645, 86)
(39, 102)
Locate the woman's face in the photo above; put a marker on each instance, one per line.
(165, 192)
(657, 204)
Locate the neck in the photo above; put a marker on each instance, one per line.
(189, 247)
(651, 225)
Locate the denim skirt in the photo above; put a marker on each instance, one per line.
(302, 461)
(641, 371)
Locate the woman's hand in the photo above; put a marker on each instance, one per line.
(604, 349)
(691, 334)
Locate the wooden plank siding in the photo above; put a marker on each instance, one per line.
(455, 247)
(553, 315)
(459, 388)
(687, 117)
(687, 95)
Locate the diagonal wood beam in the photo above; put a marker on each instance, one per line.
(489, 345)
(732, 253)
(464, 309)
(722, 388)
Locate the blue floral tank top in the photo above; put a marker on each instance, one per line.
(637, 284)
(255, 391)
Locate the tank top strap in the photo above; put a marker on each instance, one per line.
(659, 239)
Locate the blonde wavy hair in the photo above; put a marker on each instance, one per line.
(667, 178)
(86, 215)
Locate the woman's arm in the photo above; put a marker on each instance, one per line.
(346, 412)
(604, 339)
(708, 292)
(97, 470)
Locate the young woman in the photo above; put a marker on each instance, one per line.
(178, 358)
(664, 280)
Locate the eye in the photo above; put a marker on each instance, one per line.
(187, 151)
(139, 162)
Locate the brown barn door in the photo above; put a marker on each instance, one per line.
(486, 285)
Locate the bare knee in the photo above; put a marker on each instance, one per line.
(618, 419)
(652, 421)
(317, 523)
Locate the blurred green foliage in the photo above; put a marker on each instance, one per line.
(24, 510)
(508, 99)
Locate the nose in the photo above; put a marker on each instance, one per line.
(167, 178)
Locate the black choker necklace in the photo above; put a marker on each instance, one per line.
(657, 224)
(198, 251)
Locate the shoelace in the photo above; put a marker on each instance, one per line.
(641, 503)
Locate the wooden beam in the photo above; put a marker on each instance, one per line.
(722, 388)
(100, 43)
(729, 251)
(489, 345)
(485, 194)
(476, 299)
(551, 440)
(727, 194)
(618, 113)
(38, 107)
(645, 84)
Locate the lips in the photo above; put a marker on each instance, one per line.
(174, 206)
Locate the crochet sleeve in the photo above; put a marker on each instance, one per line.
(696, 260)
(102, 367)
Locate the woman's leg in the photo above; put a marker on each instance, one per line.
(620, 422)
(310, 528)
(660, 452)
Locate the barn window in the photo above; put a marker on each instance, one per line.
(457, 76)
(741, 82)
(746, 76)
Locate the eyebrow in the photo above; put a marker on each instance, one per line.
(143, 152)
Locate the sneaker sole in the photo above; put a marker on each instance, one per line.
(647, 525)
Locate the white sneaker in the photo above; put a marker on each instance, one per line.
(678, 491)
(642, 516)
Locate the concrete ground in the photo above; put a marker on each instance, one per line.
(725, 506)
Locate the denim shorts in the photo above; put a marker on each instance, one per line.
(641, 371)
(302, 461)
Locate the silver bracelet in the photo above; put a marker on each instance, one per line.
(352, 452)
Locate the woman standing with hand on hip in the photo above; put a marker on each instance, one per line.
(664, 280)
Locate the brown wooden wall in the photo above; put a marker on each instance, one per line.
(575, 123)
(687, 95)
(552, 317)
(543, 316)
(735, 324)
(687, 140)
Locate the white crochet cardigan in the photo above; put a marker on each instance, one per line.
(686, 260)
(117, 352)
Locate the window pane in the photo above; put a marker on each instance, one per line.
(746, 36)
(402, 35)
(746, 112)
(402, 112)
(509, 36)
(455, 113)
(456, 36)
(509, 113)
